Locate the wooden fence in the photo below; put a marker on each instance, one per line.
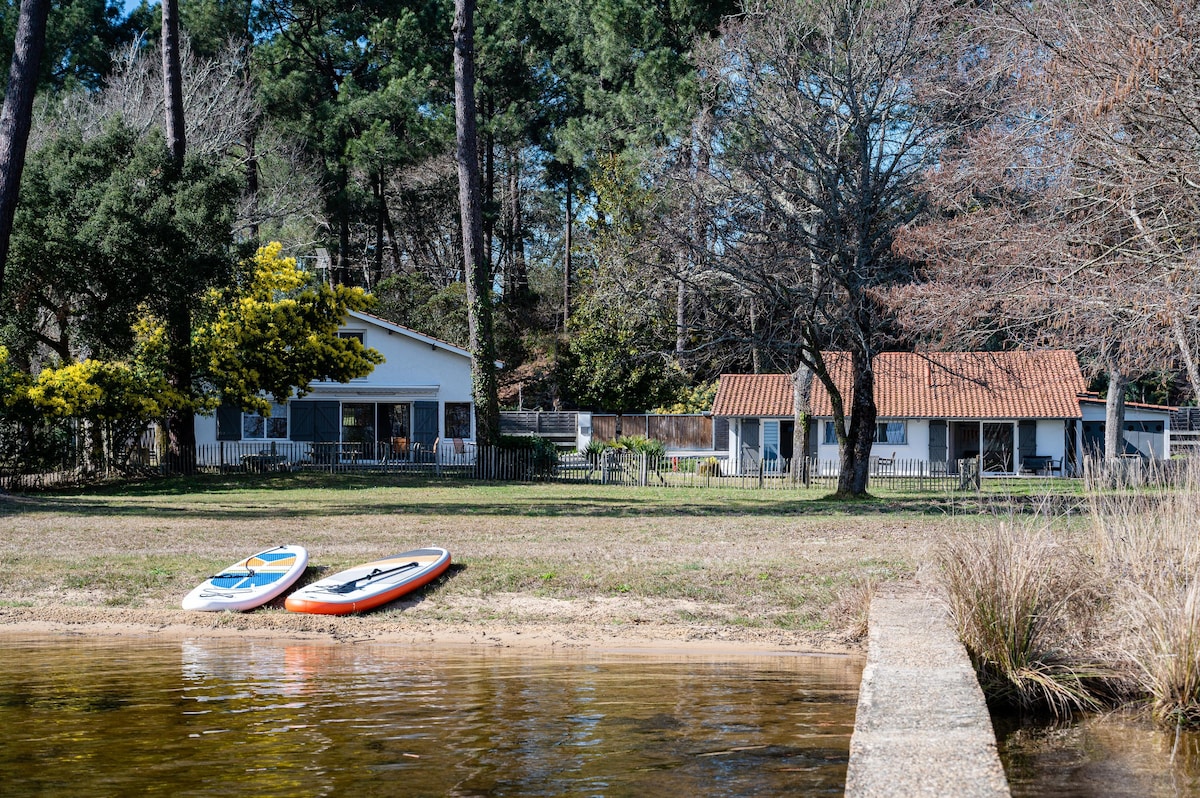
(677, 431)
(558, 426)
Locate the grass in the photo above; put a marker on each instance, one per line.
(1039, 603)
(752, 560)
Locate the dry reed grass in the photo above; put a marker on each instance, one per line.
(1038, 605)
(1021, 604)
(1148, 546)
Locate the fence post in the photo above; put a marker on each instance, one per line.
(643, 471)
(761, 467)
(604, 467)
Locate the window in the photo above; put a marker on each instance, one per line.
(830, 437)
(891, 432)
(357, 335)
(458, 419)
(257, 427)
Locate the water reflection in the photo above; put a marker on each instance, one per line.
(1119, 755)
(109, 717)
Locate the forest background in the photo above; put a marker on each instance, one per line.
(670, 190)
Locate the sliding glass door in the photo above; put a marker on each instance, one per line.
(998, 445)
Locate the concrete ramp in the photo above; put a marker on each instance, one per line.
(922, 727)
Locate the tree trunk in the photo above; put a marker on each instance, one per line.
(477, 271)
(568, 223)
(252, 180)
(1185, 351)
(516, 272)
(855, 458)
(16, 117)
(173, 81)
(391, 233)
(801, 400)
(380, 212)
(755, 356)
(1114, 414)
(180, 421)
(343, 222)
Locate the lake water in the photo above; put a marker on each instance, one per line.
(89, 716)
(1116, 755)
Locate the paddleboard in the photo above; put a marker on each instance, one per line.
(371, 584)
(251, 582)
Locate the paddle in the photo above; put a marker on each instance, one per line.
(352, 585)
(246, 565)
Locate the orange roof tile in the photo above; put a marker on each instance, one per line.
(749, 395)
(1042, 384)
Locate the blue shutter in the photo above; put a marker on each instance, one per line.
(229, 423)
(425, 423)
(315, 421)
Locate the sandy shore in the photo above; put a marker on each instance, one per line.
(394, 628)
(550, 567)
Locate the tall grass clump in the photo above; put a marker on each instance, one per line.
(1148, 545)
(1022, 604)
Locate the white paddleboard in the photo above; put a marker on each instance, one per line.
(251, 582)
(371, 584)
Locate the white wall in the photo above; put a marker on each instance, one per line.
(412, 371)
(916, 446)
(1051, 439)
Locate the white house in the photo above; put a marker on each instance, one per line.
(418, 397)
(1015, 411)
(1147, 428)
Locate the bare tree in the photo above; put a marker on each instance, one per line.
(827, 114)
(17, 114)
(1071, 220)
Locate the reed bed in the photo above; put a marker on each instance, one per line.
(1147, 543)
(1021, 605)
(1060, 619)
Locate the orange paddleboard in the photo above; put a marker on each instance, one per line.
(371, 584)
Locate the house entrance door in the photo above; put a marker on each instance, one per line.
(395, 436)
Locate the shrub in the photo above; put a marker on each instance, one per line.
(595, 450)
(641, 445)
(543, 454)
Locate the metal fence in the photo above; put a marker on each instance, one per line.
(464, 460)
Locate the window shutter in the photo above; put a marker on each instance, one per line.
(937, 441)
(1027, 445)
(425, 423)
(327, 425)
(229, 423)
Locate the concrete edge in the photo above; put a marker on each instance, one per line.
(922, 727)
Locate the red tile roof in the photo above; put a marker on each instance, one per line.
(1043, 384)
